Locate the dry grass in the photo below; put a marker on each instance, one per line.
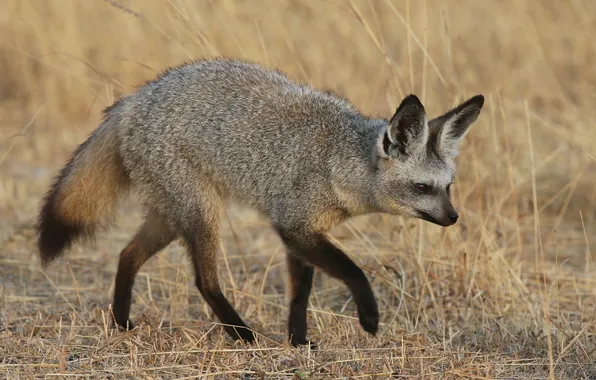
(510, 292)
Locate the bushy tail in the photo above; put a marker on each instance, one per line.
(84, 195)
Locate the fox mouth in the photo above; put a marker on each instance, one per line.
(425, 216)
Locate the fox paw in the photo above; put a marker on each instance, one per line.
(369, 320)
(243, 334)
(124, 325)
(303, 342)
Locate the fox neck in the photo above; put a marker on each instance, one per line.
(354, 176)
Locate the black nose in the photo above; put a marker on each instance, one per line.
(453, 217)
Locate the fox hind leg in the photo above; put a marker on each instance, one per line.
(202, 240)
(152, 237)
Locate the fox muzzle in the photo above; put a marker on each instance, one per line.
(447, 218)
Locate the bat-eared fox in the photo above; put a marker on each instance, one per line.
(306, 159)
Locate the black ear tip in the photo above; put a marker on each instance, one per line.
(412, 100)
(478, 100)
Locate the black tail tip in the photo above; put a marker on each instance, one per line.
(54, 234)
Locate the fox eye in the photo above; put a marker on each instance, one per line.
(422, 188)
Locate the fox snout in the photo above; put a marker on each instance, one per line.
(446, 216)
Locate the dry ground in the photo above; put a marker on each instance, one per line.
(509, 292)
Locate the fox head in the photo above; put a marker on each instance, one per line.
(415, 163)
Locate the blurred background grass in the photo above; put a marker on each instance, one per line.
(525, 185)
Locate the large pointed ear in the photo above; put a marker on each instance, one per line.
(407, 129)
(448, 130)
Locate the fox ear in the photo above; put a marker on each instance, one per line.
(407, 129)
(449, 129)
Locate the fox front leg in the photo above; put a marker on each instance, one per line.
(301, 279)
(317, 251)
